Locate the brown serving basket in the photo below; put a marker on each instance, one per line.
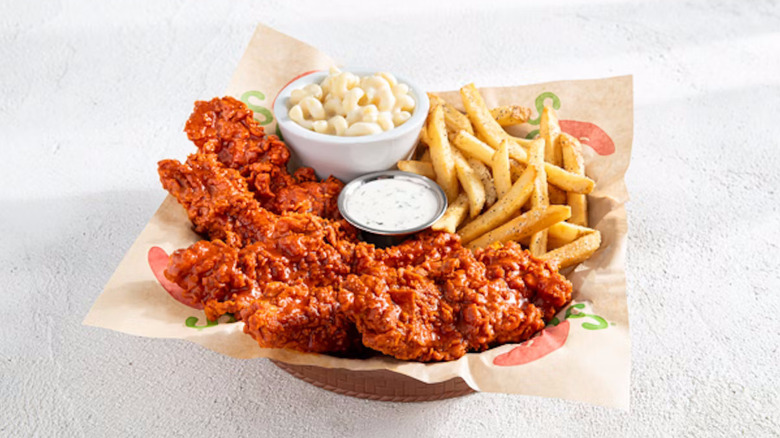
(377, 385)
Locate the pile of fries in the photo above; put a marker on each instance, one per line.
(504, 188)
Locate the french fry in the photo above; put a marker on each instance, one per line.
(536, 159)
(503, 209)
(539, 199)
(441, 154)
(527, 224)
(568, 181)
(426, 156)
(571, 150)
(510, 115)
(564, 233)
(424, 138)
(453, 119)
(484, 123)
(482, 171)
(574, 252)
(518, 152)
(556, 176)
(501, 176)
(556, 195)
(524, 142)
(549, 130)
(517, 141)
(418, 167)
(515, 169)
(455, 214)
(471, 184)
(474, 147)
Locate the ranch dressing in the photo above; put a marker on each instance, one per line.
(392, 204)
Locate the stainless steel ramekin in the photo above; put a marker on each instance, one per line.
(384, 238)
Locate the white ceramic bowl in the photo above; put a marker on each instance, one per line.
(347, 158)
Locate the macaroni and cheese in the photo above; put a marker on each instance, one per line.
(345, 104)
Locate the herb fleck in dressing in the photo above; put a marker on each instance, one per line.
(392, 204)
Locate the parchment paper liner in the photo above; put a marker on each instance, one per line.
(592, 365)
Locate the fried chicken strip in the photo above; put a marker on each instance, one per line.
(226, 128)
(261, 265)
(284, 289)
(220, 205)
(430, 299)
(217, 199)
(301, 318)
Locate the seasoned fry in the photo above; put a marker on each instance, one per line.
(564, 233)
(515, 169)
(568, 181)
(549, 130)
(426, 156)
(562, 179)
(539, 199)
(480, 117)
(471, 184)
(501, 176)
(455, 214)
(575, 252)
(483, 173)
(424, 138)
(518, 152)
(453, 119)
(510, 115)
(503, 209)
(522, 143)
(441, 154)
(527, 224)
(418, 167)
(536, 159)
(474, 147)
(571, 150)
(555, 175)
(556, 195)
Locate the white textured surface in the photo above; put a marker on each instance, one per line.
(92, 94)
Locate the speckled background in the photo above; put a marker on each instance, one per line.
(92, 94)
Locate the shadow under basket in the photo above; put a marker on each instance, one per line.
(379, 385)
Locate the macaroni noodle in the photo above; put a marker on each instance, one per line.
(347, 105)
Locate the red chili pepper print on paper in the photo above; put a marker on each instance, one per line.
(158, 261)
(587, 133)
(550, 339)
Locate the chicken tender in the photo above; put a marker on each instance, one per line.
(430, 299)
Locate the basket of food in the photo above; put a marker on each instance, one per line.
(382, 241)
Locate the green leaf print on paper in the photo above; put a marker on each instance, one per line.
(539, 103)
(192, 322)
(601, 323)
(266, 113)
